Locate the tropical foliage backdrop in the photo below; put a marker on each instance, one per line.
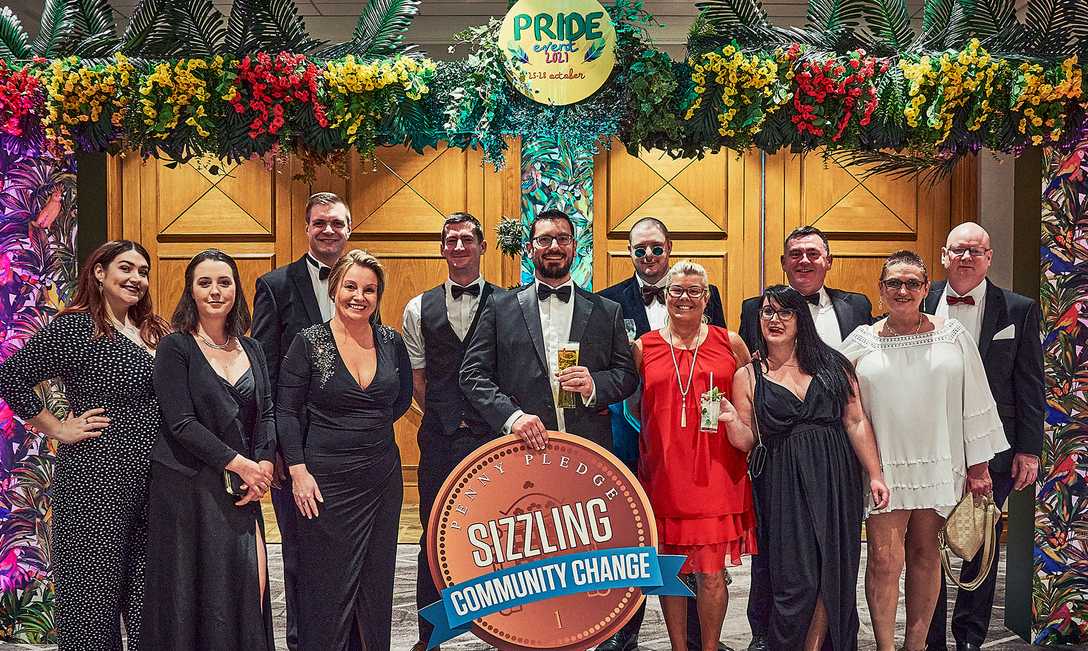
(37, 272)
(1060, 591)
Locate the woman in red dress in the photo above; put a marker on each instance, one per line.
(697, 482)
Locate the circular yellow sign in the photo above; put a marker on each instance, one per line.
(558, 51)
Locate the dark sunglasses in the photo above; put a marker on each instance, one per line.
(655, 250)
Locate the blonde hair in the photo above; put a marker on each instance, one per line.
(360, 258)
(689, 268)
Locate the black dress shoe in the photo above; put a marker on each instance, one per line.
(422, 646)
(619, 642)
(968, 647)
(759, 643)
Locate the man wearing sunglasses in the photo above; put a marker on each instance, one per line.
(806, 259)
(1006, 327)
(642, 299)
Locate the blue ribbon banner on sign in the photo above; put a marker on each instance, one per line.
(622, 567)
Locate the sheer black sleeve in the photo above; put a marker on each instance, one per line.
(291, 399)
(404, 371)
(264, 448)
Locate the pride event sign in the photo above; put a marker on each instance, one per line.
(558, 51)
(543, 550)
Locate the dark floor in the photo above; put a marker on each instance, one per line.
(735, 633)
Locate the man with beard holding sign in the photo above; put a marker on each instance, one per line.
(510, 373)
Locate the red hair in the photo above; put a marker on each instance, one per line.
(89, 299)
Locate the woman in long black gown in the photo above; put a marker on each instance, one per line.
(207, 587)
(102, 347)
(349, 380)
(810, 492)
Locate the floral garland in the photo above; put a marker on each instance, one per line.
(176, 104)
(832, 93)
(19, 95)
(85, 103)
(747, 89)
(353, 97)
(942, 104)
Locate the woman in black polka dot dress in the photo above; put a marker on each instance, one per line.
(102, 348)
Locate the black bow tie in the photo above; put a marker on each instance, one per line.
(813, 299)
(543, 292)
(651, 293)
(458, 291)
(322, 271)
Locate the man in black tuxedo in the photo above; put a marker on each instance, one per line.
(288, 300)
(510, 370)
(1006, 327)
(806, 259)
(437, 323)
(642, 300)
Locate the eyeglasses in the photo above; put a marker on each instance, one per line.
(546, 241)
(894, 284)
(974, 251)
(656, 250)
(784, 314)
(693, 292)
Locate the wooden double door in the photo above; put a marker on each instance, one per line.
(727, 212)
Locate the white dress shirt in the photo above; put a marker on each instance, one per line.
(969, 315)
(321, 287)
(460, 312)
(656, 313)
(827, 324)
(555, 318)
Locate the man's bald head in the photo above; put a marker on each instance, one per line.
(967, 256)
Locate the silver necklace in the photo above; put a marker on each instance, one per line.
(895, 333)
(684, 390)
(226, 345)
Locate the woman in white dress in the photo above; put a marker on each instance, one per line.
(925, 391)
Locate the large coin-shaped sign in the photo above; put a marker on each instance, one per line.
(549, 549)
(558, 51)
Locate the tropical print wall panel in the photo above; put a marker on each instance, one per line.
(37, 277)
(558, 174)
(1060, 590)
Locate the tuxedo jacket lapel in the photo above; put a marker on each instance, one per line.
(531, 313)
(636, 307)
(300, 276)
(583, 308)
(842, 314)
(992, 318)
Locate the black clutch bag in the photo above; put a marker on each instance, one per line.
(233, 483)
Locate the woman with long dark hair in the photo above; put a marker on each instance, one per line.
(207, 582)
(815, 432)
(102, 348)
(925, 390)
(342, 385)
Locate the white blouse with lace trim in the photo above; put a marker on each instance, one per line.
(931, 409)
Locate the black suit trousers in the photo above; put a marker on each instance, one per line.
(971, 615)
(439, 454)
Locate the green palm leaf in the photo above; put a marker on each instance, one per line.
(278, 26)
(993, 21)
(94, 32)
(379, 31)
(944, 25)
(241, 38)
(148, 33)
(55, 28)
(198, 27)
(833, 24)
(895, 165)
(743, 20)
(889, 23)
(1049, 28)
(14, 42)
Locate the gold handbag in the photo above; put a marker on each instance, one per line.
(968, 531)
